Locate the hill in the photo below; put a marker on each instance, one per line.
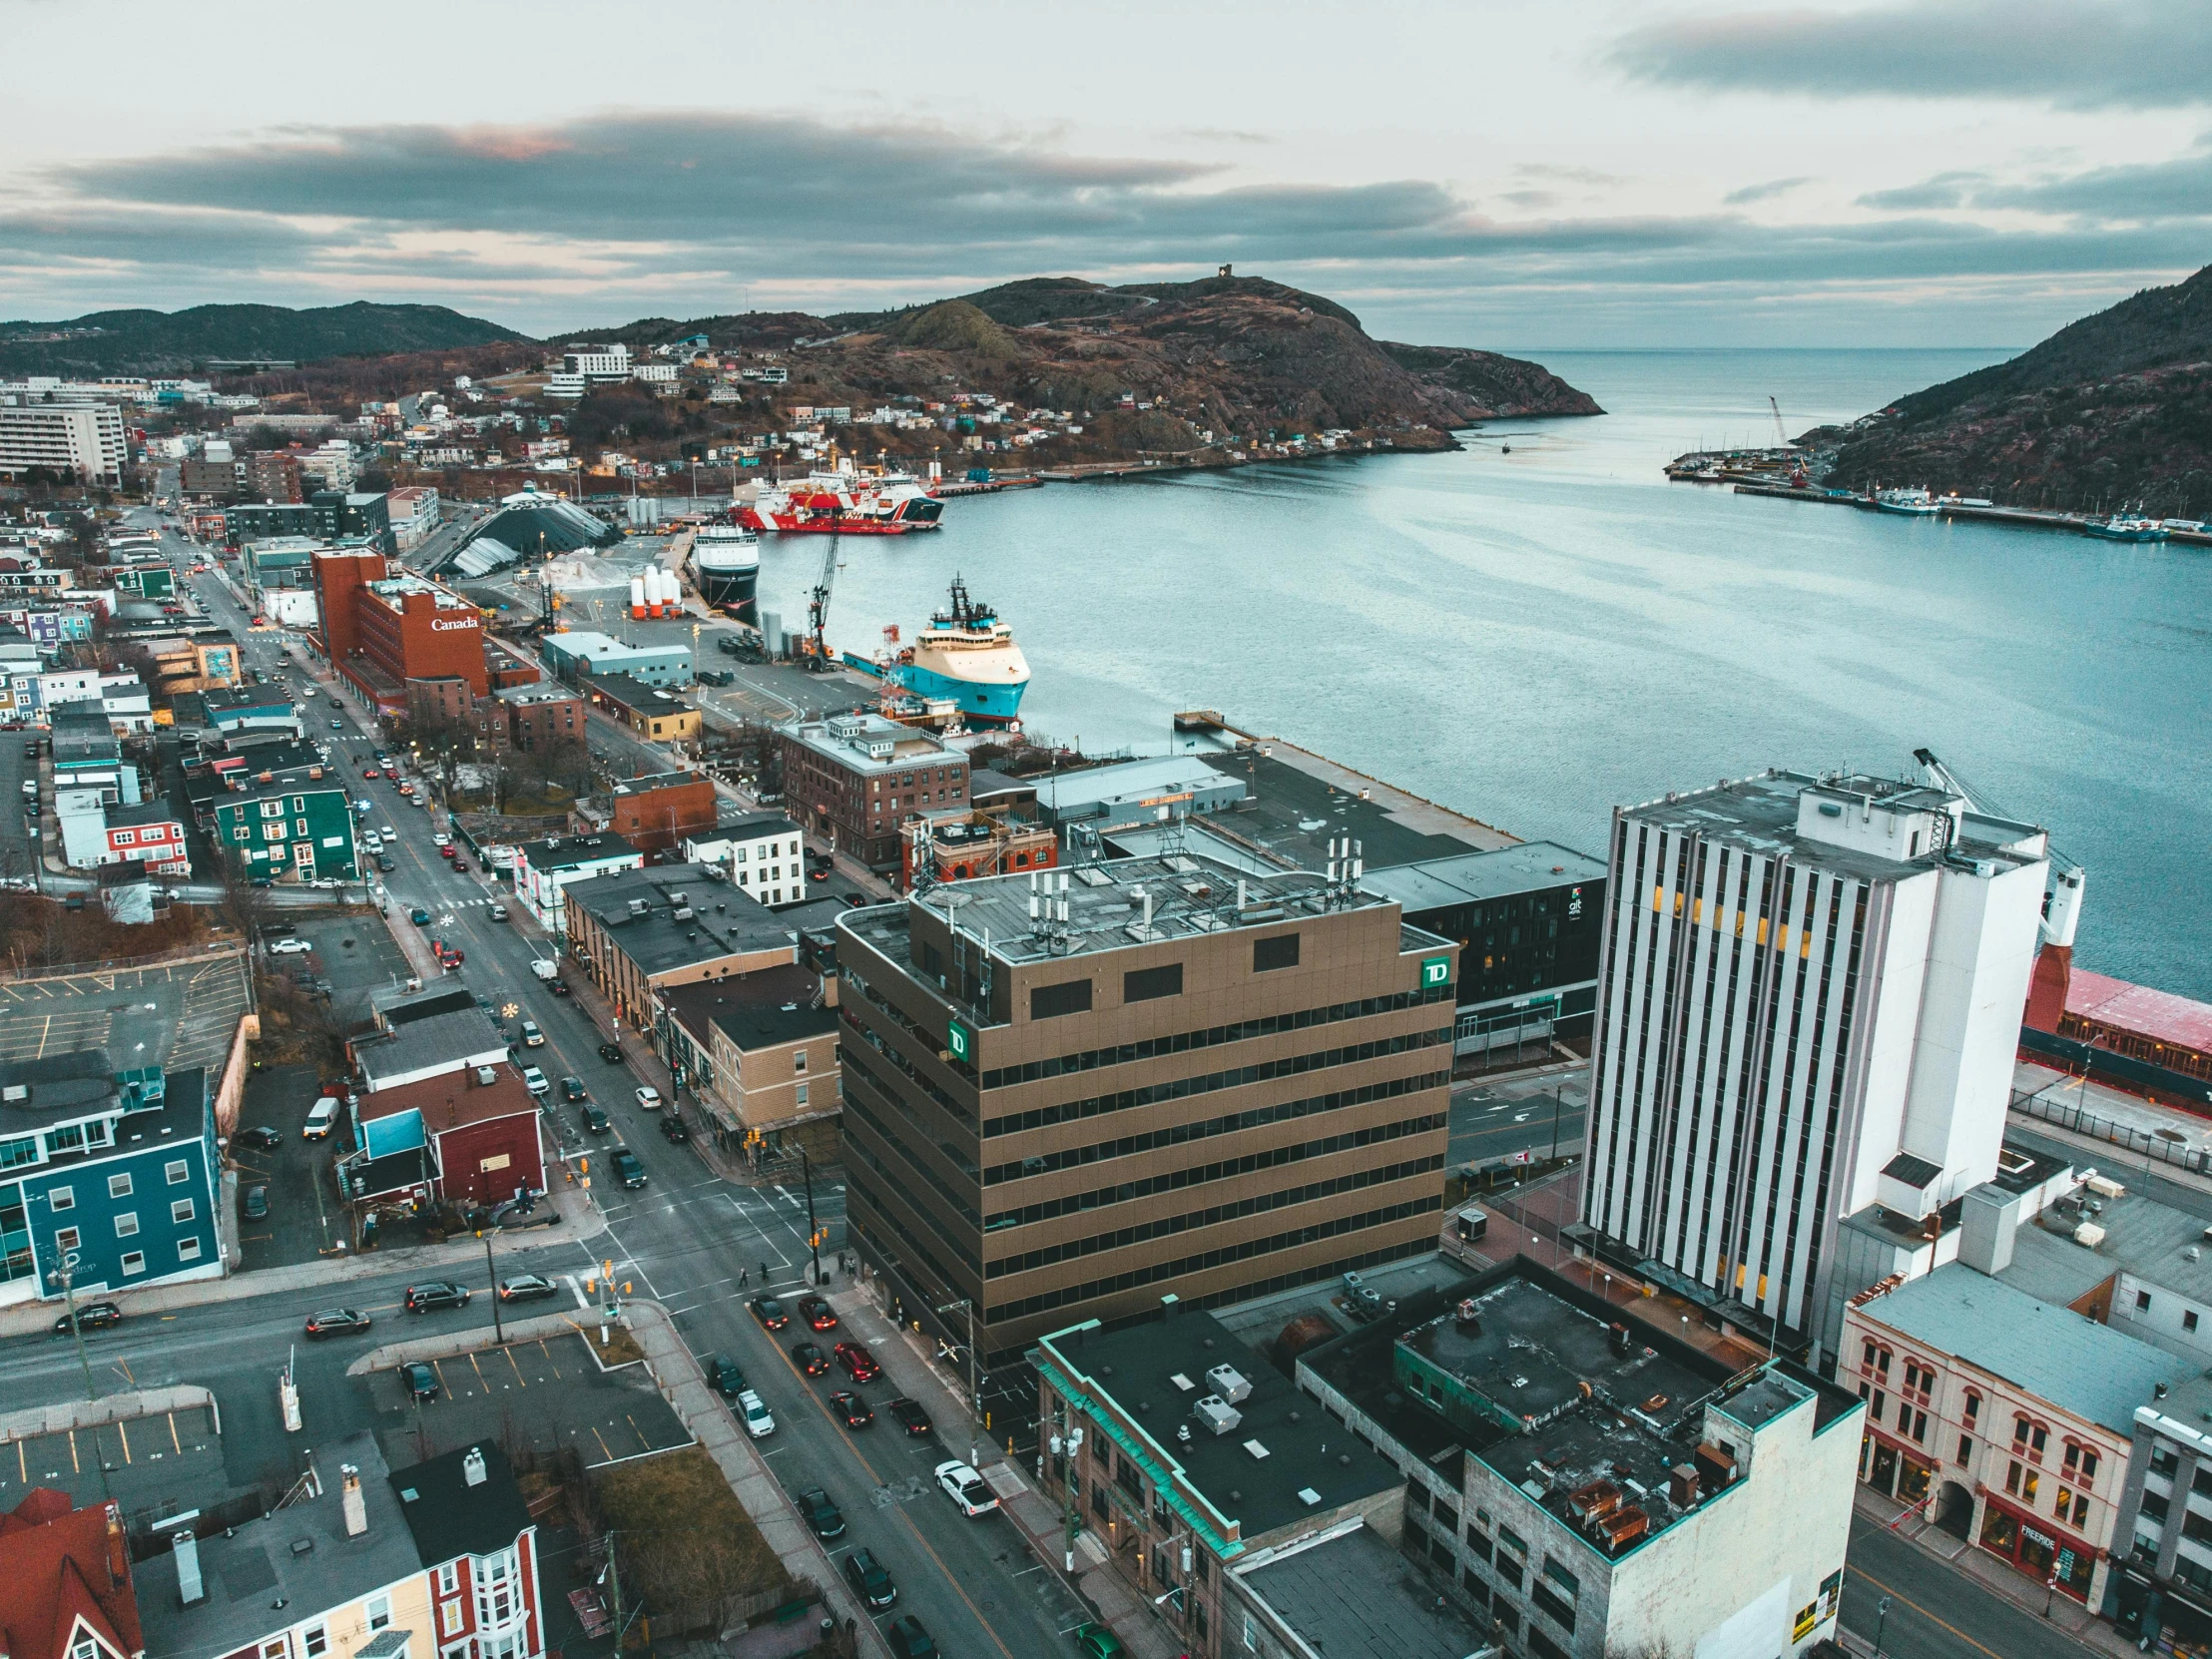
(2114, 409)
(176, 342)
(1157, 367)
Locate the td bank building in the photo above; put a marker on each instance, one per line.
(1071, 1093)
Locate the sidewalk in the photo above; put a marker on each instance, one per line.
(463, 1252)
(907, 1362)
(2067, 1614)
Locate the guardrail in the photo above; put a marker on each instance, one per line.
(2080, 1121)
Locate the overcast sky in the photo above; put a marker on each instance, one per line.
(1555, 174)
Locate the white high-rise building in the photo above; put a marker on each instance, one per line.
(79, 441)
(1809, 996)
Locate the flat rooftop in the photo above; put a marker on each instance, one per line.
(719, 920)
(394, 590)
(764, 1009)
(570, 851)
(1354, 1596)
(658, 781)
(1477, 878)
(1114, 905)
(870, 744)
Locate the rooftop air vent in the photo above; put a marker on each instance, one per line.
(473, 1466)
(1216, 1413)
(683, 912)
(1255, 1448)
(1307, 1496)
(1229, 1384)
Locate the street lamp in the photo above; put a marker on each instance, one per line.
(975, 1398)
(1881, 1618)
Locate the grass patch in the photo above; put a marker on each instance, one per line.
(620, 1348)
(685, 1542)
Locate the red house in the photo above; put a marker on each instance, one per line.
(64, 1582)
(150, 835)
(480, 1141)
(479, 1547)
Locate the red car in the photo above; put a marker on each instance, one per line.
(818, 1312)
(857, 1362)
(389, 771)
(371, 773)
(449, 852)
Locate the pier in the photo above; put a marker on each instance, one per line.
(2025, 518)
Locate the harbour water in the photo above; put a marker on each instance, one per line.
(1533, 636)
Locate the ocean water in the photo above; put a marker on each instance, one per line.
(1535, 635)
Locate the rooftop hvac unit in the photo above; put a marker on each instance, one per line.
(189, 1588)
(1229, 1384)
(683, 912)
(1216, 1413)
(2088, 1234)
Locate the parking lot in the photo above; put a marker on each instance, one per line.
(547, 1394)
(170, 1463)
(354, 953)
(175, 1015)
(304, 1222)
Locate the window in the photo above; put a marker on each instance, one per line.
(126, 838)
(379, 1612)
(1149, 984)
(134, 1261)
(1071, 996)
(67, 1239)
(450, 1616)
(177, 1171)
(1973, 1406)
(2019, 1432)
(2088, 1464)
(2142, 1301)
(1966, 1449)
(62, 1198)
(188, 1250)
(319, 1640)
(182, 1211)
(119, 1185)
(802, 1095)
(798, 1060)
(2028, 1482)
(126, 1224)
(1881, 1404)
(2037, 1439)
(2012, 1478)
(1917, 1427)
(449, 1580)
(1278, 952)
(2189, 1320)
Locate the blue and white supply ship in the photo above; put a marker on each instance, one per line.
(968, 657)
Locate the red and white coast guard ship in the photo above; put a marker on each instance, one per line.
(851, 503)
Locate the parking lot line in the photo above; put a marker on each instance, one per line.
(75, 1468)
(123, 1429)
(173, 1440)
(511, 1365)
(607, 1450)
(479, 1371)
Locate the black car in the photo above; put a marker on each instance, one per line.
(92, 1316)
(611, 1052)
(560, 987)
(851, 1409)
(906, 1639)
(722, 1373)
(526, 1287)
(421, 1382)
(868, 1579)
(822, 1514)
(261, 1137)
(336, 1321)
(909, 1415)
(627, 1170)
(809, 1357)
(594, 1119)
(770, 1313)
(256, 1206)
(572, 1088)
(672, 1127)
(384, 864)
(436, 1293)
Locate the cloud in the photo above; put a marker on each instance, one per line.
(2079, 54)
(2178, 189)
(1764, 193)
(1945, 189)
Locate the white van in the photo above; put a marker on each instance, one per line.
(322, 1118)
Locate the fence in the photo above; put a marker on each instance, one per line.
(2159, 1146)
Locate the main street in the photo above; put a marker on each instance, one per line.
(683, 1240)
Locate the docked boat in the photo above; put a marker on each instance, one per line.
(849, 503)
(968, 657)
(726, 563)
(1919, 504)
(2127, 527)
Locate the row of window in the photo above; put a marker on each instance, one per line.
(119, 1185)
(134, 1261)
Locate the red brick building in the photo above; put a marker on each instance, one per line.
(483, 1138)
(541, 716)
(660, 809)
(382, 631)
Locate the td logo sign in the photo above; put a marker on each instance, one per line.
(961, 1042)
(1435, 971)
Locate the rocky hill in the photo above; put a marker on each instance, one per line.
(179, 342)
(2113, 409)
(1165, 367)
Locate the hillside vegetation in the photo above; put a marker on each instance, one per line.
(176, 342)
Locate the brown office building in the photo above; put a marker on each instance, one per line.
(1195, 1083)
(853, 778)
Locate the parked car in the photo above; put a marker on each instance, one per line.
(572, 1088)
(759, 1421)
(673, 1129)
(909, 1415)
(809, 1357)
(611, 1051)
(288, 947)
(261, 1138)
(648, 1099)
(1095, 1641)
(770, 1313)
(857, 1362)
(255, 1207)
(822, 1516)
(868, 1579)
(336, 1321)
(965, 1487)
(92, 1316)
(723, 1376)
(527, 1287)
(906, 1639)
(534, 1080)
(435, 1294)
(627, 1170)
(322, 1118)
(851, 1409)
(441, 839)
(818, 1313)
(421, 1382)
(594, 1119)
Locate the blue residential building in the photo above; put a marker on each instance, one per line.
(119, 1169)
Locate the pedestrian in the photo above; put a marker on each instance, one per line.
(741, 1279)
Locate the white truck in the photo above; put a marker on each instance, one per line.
(545, 969)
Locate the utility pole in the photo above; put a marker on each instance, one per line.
(66, 1274)
(976, 1394)
(498, 1332)
(614, 1590)
(1555, 1122)
(814, 1233)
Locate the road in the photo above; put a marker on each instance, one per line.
(682, 1240)
(1498, 1117)
(1936, 1612)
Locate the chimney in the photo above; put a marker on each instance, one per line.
(118, 1554)
(190, 1587)
(473, 1466)
(357, 1510)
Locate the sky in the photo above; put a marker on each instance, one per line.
(1570, 173)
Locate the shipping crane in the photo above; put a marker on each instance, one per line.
(818, 600)
(1781, 436)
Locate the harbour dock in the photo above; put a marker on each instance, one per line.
(2025, 518)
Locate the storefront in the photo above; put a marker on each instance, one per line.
(1893, 1470)
(2036, 1548)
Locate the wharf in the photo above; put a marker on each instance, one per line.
(2025, 518)
(987, 486)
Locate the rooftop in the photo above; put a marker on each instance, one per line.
(149, 812)
(2143, 1236)
(764, 1009)
(2099, 1373)
(450, 1516)
(572, 851)
(588, 642)
(670, 917)
(1475, 877)
(467, 1037)
(2159, 1015)
(1154, 1372)
(395, 591)
(223, 700)
(753, 827)
(54, 1570)
(1077, 794)
(456, 1098)
(659, 780)
(529, 696)
(1350, 1595)
(299, 1556)
(632, 693)
(867, 743)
